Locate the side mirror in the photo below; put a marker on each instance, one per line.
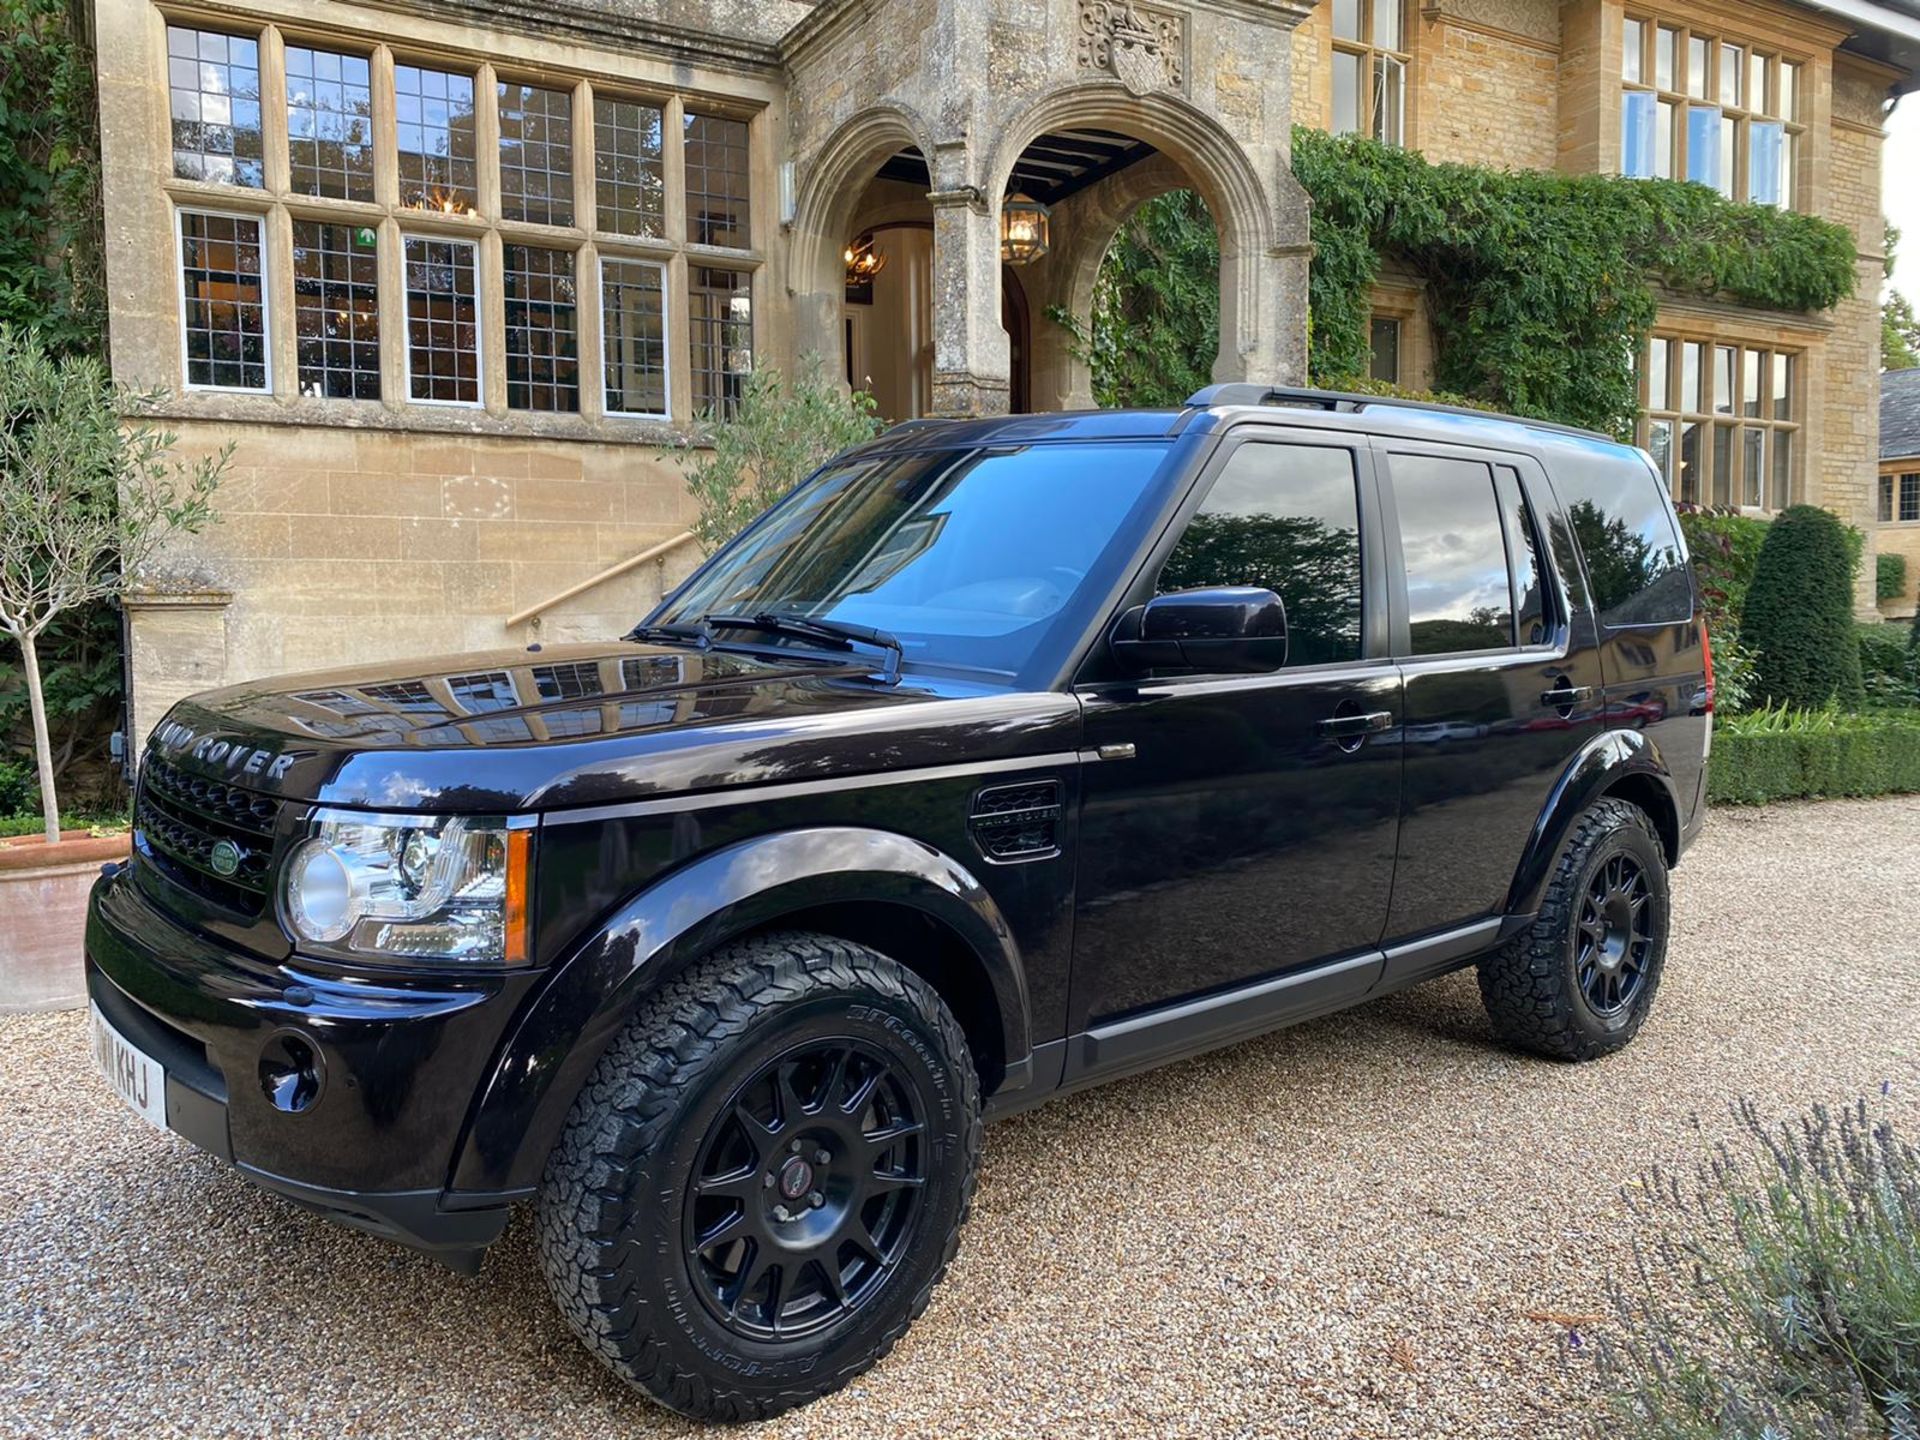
(1237, 630)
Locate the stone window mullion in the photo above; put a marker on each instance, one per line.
(486, 124)
(386, 153)
(395, 334)
(586, 260)
(273, 112)
(493, 322)
(673, 155)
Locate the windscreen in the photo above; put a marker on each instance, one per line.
(972, 558)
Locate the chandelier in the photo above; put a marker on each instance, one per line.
(863, 262)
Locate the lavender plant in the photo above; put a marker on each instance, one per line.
(1776, 1292)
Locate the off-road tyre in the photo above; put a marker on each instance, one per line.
(1532, 986)
(614, 1228)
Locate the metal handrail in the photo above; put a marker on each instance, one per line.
(612, 572)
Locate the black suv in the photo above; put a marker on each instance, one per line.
(1000, 758)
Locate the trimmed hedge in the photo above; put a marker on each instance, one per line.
(1798, 617)
(1757, 758)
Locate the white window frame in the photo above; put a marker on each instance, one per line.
(479, 402)
(666, 335)
(180, 211)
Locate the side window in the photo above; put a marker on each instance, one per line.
(1533, 612)
(1459, 591)
(1285, 517)
(1635, 569)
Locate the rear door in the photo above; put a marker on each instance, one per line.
(1237, 827)
(1502, 676)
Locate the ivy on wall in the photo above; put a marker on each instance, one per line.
(1541, 287)
(50, 270)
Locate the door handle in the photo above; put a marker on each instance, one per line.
(1346, 727)
(1565, 697)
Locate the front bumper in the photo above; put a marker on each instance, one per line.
(370, 1137)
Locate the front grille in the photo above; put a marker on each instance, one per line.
(180, 818)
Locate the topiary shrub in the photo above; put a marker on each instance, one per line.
(1798, 619)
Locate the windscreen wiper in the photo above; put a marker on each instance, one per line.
(835, 634)
(690, 633)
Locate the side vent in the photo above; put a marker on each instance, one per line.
(1017, 822)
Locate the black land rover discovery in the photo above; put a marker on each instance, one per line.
(1000, 758)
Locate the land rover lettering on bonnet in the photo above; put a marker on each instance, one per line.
(1000, 758)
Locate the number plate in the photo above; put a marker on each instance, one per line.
(135, 1076)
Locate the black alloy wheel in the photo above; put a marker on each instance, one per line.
(1579, 981)
(1615, 935)
(765, 1176)
(806, 1193)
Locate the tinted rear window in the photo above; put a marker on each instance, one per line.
(1636, 570)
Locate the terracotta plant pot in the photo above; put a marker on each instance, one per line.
(43, 916)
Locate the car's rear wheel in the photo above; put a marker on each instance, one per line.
(1578, 983)
(765, 1177)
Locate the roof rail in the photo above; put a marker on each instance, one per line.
(1300, 397)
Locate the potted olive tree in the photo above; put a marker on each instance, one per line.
(88, 494)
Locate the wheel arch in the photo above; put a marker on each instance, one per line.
(1619, 764)
(874, 887)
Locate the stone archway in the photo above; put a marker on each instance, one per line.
(824, 211)
(1264, 231)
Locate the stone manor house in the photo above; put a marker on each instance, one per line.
(449, 274)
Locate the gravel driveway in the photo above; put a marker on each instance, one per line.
(1347, 1229)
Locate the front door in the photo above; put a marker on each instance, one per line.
(1252, 830)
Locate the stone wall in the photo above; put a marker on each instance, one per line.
(1850, 456)
(339, 547)
(1489, 93)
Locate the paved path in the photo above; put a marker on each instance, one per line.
(1336, 1231)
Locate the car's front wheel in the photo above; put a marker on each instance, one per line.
(765, 1176)
(1578, 983)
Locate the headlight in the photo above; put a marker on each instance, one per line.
(431, 887)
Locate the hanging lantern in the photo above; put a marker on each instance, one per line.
(863, 262)
(1023, 229)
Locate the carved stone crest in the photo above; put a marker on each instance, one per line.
(1143, 48)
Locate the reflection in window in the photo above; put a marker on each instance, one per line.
(1370, 69)
(1285, 518)
(214, 92)
(630, 182)
(330, 123)
(226, 310)
(543, 353)
(410, 696)
(575, 681)
(488, 690)
(443, 346)
(721, 304)
(434, 127)
(336, 310)
(716, 171)
(986, 551)
(536, 154)
(1523, 544)
(1626, 534)
(633, 324)
(1459, 591)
